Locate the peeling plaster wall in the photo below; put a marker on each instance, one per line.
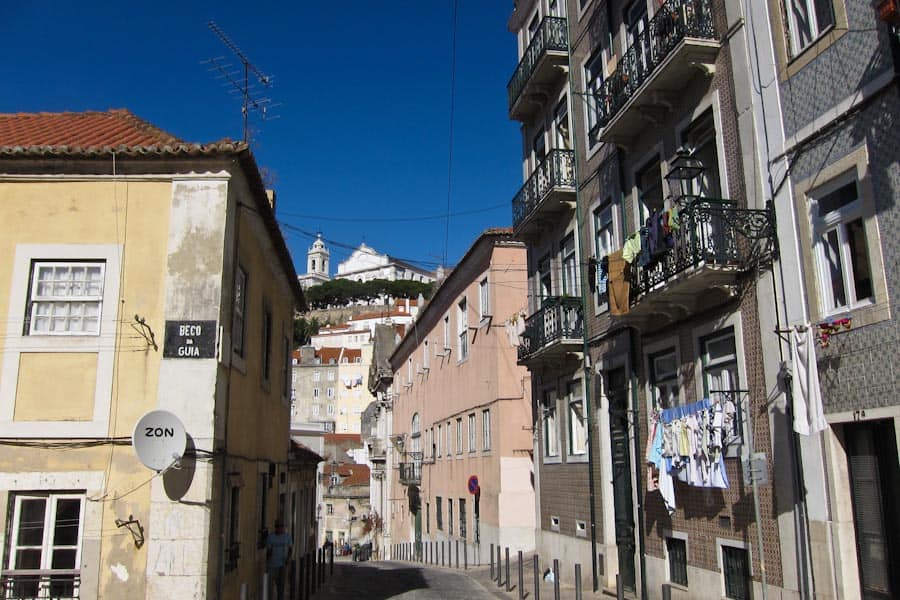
(179, 531)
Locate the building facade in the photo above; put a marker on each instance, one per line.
(833, 154)
(144, 273)
(460, 411)
(366, 264)
(552, 324)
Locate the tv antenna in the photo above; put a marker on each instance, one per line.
(239, 80)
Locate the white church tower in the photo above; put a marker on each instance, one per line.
(316, 264)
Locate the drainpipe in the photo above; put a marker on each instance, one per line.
(636, 428)
(585, 303)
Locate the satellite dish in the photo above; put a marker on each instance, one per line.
(159, 439)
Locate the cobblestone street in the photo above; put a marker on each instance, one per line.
(380, 580)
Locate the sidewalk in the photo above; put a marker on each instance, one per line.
(482, 574)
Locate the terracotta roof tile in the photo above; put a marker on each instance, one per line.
(351, 474)
(93, 129)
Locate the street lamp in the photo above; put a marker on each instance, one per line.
(683, 174)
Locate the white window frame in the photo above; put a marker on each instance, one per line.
(462, 329)
(49, 523)
(486, 430)
(654, 355)
(568, 258)
(67, 301)
(798, 44)
(329, 410)
(459, 435)
(329, 392)
(315, 392)
(439, 441)
(550, 438)
(315, 410)
(703, 336)
(317, 376)
(449, 439)
(473, 432)
(596, 60)
(484, 299)
(576, 445)
(330, 375)
(604, 244)
(837, 220)
(446, 334)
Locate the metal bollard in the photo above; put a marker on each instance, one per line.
(492, 563)
(499, 567)
(537, 577)
(521, 578)
(457, 554)
(577, 581)
(466, 557)
(331, 560)
(555, 579)
(620, 587)
(508, 588)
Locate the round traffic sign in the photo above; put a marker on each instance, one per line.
(473, 484)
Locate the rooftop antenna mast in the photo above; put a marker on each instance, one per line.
(240, 82)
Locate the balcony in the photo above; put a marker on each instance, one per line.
(543, 61)
(549, 191)
(554, 331)
(411, 469)
(377, 450)
(654, 70)
(59, 584)
(715, 244)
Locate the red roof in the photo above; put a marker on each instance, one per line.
(396, 312)
(326, 354)
(351, 474)
(93, 129)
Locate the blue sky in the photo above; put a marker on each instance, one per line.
(362, 137)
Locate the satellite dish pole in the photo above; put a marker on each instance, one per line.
(239, 82)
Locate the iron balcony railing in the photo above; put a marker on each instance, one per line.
(560, 318)
(411, 469)
(551, 35)
(556, 171)
(35, 584)
(713, 233)
(673, 22)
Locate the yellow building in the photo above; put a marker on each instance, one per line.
(139, 272)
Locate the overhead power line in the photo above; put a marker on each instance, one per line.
(397, 219)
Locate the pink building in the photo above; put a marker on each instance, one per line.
(461, 410)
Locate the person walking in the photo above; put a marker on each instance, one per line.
(279, 547)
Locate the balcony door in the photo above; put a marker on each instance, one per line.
(637, 38)
(623, 503)
(700, 139)
(875, 483)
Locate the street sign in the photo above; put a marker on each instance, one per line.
(159, 439)
(473, 485)
(190, 339)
